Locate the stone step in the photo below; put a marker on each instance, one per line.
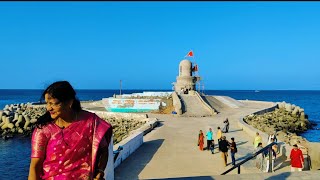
(192, 106)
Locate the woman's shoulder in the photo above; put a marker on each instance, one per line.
(45, 129)
(88, 115)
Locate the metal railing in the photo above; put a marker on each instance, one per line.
(116, 153)
(268, 147)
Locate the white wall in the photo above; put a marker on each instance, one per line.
(109, 171)
(130, 144)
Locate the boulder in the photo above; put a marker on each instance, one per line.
(20, 119)
(288, 107)
(33, 120)
(302, 115)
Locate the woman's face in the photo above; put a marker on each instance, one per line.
(55, 107)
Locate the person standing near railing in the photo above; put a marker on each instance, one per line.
(233, 151)
(297, 159)
(260, 158)
(272, 136)
(274, 156)
(257, 140)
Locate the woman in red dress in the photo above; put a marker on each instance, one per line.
(296, 159)
(201, 140)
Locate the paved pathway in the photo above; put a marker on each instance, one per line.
(171, 151)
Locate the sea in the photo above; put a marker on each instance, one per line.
(15, 152)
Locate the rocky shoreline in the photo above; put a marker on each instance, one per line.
(287, 121)
(21, 119)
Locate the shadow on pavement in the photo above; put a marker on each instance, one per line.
(240, 143)
(131, 167)
(235, 130)
(284, 175)
(188, 178)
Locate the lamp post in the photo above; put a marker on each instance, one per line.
(120, 86)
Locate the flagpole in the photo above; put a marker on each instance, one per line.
(196, 72)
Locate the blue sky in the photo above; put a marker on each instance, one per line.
(237, 45)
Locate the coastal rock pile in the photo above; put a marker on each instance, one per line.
(287, 118)
(122, 127)
(22, 119)
(19, 118)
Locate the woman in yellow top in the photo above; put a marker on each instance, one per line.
(219, 134)
(257, 140)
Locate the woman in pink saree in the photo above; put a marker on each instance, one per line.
(69, 143)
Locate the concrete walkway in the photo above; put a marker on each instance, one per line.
(171, 151)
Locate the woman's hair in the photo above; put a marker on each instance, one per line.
(63, 91)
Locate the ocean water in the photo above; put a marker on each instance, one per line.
(15, 153)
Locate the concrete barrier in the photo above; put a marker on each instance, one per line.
(129, 145)
(109, 171)
(251, 130)
(206, 105)
(105, 114)
(314, 153)
(177, 103)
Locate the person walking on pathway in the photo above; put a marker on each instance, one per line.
(233, 151)
(223, 147)
(226, 126)
(297, 159)
(219, 134)
(272, 135)
(257, 140)
(201, 140)
(209, 139)
(274, 156)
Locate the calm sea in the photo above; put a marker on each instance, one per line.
(15, 153)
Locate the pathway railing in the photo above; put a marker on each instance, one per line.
(268, 147)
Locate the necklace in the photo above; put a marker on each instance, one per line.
(76, 117)
(62, 126)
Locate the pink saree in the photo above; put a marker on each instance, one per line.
(70, 153)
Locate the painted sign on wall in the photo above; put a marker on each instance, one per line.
(131, 105)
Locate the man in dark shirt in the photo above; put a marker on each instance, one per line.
(223, 147)
(233, 150)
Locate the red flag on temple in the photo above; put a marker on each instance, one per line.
(190, 54)
(196, 68)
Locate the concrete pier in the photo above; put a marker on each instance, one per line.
(171, 151)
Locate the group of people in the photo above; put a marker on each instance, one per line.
(223, 144)
(263, 160)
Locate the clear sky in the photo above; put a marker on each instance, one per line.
(237, 45)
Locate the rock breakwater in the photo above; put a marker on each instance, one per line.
(122, 127)
(287, 120)
(21, 119)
